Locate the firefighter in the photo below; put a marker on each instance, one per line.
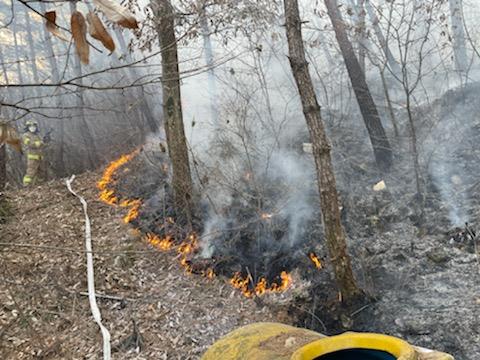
(33, 145)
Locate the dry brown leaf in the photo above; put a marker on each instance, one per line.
(9, 135)
(79, 32)
(51, 25)
(98, 31)
(117, 13)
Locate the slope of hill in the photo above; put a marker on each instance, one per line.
(44, 313)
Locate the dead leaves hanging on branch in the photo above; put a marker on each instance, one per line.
(79, 33)
(98, 31)
(114, 12)
(51, 25)
(117, 13)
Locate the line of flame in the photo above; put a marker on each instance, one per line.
(249, 289)
(186, 247)
(107, 195)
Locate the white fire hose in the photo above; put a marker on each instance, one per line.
(90, 274)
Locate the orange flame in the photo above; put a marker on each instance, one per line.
(108, 196)
(248, 289)
(315, 260)
(190, 244)
(161, 244)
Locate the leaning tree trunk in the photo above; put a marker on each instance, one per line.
(378, 137)
(172, 108)
(335, 235)
(459, 47)
(392, 63)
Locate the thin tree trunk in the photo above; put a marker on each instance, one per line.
(392, 63)
(172, 108)
(83, 128)
(17, 51)
(378, 137)
(209, 61)
(4, 67)
(33, 58)
(389, 102)
(459, 47)
(362, 34)
(59, 160)
(3, 166)
(335, 235)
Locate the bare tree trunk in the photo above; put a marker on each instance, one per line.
(33, 58)
(172, 108)
(335, 235)
(83, 129)
(17, 51)
(59, 160)
(389, 102)
(362, 34)
(459, 47)
(378, 137)
(357, 8)
(3, 166)
(209, 60)
(4, 67)
(392, 63)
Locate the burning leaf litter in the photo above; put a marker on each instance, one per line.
(190, 245)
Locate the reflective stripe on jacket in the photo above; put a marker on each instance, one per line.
(34, 157)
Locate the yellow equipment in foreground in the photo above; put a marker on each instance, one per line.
(272, 341)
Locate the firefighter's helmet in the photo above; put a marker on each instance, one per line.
(31, 126)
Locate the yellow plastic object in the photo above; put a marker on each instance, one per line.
(261, 341)
(392, 345)
(272, 341)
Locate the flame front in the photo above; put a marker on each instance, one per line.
(249, 289)
(107, 195)
(188, 246)
(315, 260)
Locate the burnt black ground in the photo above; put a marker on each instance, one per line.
(427, 285)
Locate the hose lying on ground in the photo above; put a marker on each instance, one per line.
(90, 275)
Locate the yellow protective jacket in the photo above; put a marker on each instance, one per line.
(33, 146)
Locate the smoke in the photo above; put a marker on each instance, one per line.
(448, 142)
(267, 207)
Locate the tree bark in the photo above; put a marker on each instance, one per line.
(3, 166)
(172, 108)
(378, 137)
(33, 58)
(4, 67)
(459, 47)
(17, 51)
(335, 235)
